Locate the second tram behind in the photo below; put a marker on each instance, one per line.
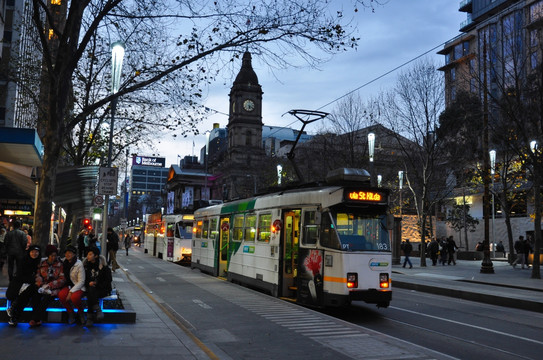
(322, 246)
(168, 237)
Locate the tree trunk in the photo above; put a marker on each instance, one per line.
(42, 218)
(506, 212)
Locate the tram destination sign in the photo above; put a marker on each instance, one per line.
(365, 195)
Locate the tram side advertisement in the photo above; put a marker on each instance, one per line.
(310, 280)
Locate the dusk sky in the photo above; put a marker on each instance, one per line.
(394, 34)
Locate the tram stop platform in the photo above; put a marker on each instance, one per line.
(184, 314)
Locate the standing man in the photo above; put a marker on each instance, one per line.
(15, 243)
(407, 248)
(112, 247)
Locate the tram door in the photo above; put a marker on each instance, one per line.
(223, 246)
(291, 235)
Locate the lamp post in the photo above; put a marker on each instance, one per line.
(492, 154)
(371, 145)
(400, 179)
(206, 162)
(379, 180)
(279, 174)
(117, 55)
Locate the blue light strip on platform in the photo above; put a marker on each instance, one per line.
(110, 311)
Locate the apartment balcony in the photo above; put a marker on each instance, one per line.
(466, 6)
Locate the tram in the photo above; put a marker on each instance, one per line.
(168, 237)
(322, 246)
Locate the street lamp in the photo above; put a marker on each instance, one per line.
(206, 196)
(117, 55)
(379, 180)
(400, 179)
(279, 174)
(371, 145)
(492, 154)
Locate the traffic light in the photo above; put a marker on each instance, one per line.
(87, 224)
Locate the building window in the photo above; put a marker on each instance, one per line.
(453, 93)
(448, 58)
(533, 60)
(458, 51)
(7, 36)
(56, 2)
(2, 113)
(473, 85)
(536, 11)
(453, 74)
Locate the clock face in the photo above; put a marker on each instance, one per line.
(248, 105)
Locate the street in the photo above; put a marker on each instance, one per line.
(461, 329)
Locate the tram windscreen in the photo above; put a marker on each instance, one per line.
(355, 232)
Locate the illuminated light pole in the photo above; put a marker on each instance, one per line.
(400, 179)
(279, 174)
(379, 180)
(117, 55)
(371, 145)
(492, 154)
(206, 194)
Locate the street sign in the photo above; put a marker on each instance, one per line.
(98, 200)
(107, 184)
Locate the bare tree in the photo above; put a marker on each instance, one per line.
(199, 39)
(412, 111)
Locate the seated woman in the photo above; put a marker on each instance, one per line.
(71, 294)
(49, 280)
(97, 282)
(22, 286)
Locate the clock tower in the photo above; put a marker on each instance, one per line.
(245, 115)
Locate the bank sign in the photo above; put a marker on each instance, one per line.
(149, 161)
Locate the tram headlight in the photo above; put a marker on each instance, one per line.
(352, 280)
(384, 282)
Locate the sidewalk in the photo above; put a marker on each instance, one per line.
(506, 287)
(154, 335)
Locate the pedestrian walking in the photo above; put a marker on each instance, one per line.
(15, 243)
(112, 247)
(501, 248)
(127, 242)
(443, 247)
(433, 251)
(519, 248)
(528, 249)
(407, 248)
(451, 250)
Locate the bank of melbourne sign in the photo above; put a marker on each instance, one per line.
(149, 161)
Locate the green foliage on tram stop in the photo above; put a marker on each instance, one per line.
(459, 218)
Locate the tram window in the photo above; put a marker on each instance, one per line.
(170, 230)
(328, 235)
(250, 227)
(311, 233)
(264, 227)
(198, 232)
(237, 234)
(213, 232)
(205, 230)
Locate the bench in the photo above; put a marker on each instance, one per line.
(112, 307)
